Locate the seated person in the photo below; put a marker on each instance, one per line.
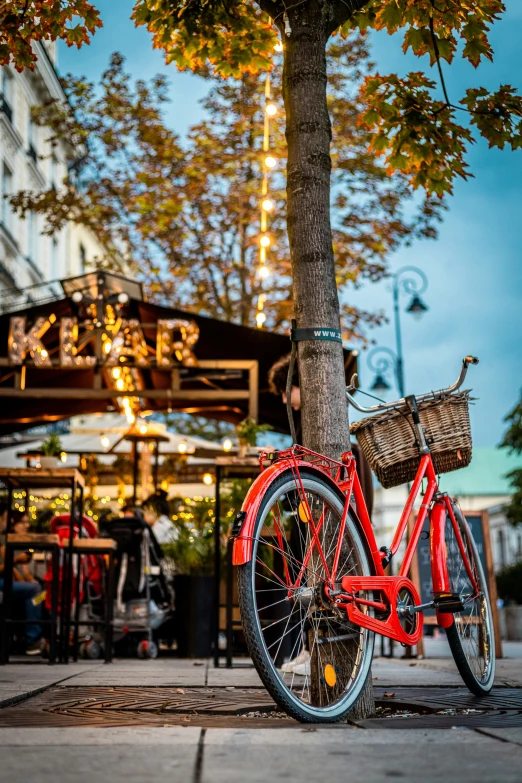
(22, 572)
(25, 589)
(156, 512)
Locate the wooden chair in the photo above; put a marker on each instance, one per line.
(43, 542)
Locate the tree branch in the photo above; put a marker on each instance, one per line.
(342, 11)
(437, 57)
(271, 8)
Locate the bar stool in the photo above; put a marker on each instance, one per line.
(43, 542)
(106, 548)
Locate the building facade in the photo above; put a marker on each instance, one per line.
(29, 162)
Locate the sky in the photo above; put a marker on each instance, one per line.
(474, 293)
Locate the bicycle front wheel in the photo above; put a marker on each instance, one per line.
(283, 624)
(471, 635)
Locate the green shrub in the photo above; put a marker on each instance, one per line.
(509, 584)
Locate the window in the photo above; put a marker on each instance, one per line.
(31, 139)
(83, 258)
(7, 188)
(54, 259)
(7, 88)
(31, 235)
(53, 166)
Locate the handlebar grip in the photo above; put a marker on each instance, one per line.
(471, 360)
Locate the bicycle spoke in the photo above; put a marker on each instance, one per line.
(472, 624)
(290, 565)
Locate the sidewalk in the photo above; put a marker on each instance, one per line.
(242, 752)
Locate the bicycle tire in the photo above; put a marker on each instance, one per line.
(479, 686)
(313, 482)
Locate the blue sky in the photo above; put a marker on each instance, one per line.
(474, 270)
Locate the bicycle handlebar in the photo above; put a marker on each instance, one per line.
(386, 406)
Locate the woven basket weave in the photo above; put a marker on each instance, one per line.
(388, 440)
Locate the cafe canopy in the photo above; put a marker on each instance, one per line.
(101, 346)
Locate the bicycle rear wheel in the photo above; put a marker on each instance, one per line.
(471, 635)
(278, 627)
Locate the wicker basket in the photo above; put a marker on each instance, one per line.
(388, 440)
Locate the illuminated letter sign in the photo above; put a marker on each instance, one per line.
(68, 346)
(128, 341)
(21, 342)
(125, 340)
(166, 345)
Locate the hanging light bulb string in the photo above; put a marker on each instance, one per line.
(267, 205)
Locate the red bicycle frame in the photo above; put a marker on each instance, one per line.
(356, 594)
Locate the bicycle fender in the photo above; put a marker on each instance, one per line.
(242, 549)
(439, 570)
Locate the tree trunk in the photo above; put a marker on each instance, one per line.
(308, 134)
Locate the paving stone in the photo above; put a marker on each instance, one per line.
(127, 763)
(505, 735)
(83, 736)
(387, 672)
(362, 759)
(237, 677)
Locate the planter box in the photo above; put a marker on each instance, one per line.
(512, 622)
(49, 462)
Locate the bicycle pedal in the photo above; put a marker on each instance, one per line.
(448, 603)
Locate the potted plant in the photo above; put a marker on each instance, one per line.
(191, 553)
(247, 432)
(50, 451)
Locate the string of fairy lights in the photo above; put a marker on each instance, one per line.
(267, 204)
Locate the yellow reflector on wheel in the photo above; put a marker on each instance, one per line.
(303, 512)
(330, 675)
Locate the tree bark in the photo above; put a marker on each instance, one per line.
(308, 134)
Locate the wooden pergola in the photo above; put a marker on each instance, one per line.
(102, 347)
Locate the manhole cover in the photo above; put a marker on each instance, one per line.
(495, 718)
(117, 706)
(445, 698)
(400, 708)
(445, 707)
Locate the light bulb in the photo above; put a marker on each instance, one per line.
(260, 319)
(105, 442)
(270, 161)
(271, 109)
(123, 298)
(278, 47)
(264, 241)
(143, 429)
(116, 372)
(63, 456)
(264, 272)
(267, 205)
(182, 446)
(207, 479)
(120, 384)
(77, 296)
(107, 345)
(227, 444)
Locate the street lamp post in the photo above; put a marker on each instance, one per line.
(413, 282)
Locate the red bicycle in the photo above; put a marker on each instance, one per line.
(311, 578)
